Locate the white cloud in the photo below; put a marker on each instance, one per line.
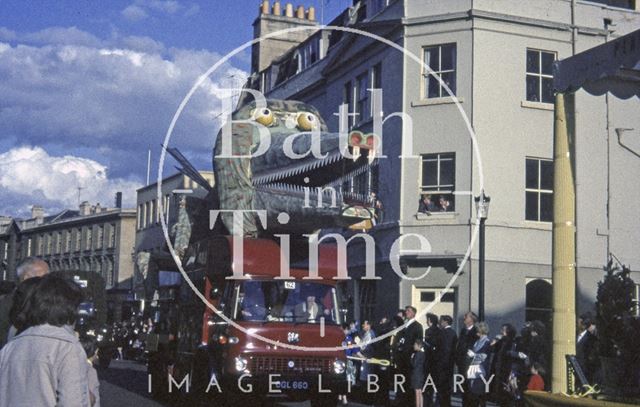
(39, 178)
(117, 94)
(142, 9)
(107, 100)
(134, 13)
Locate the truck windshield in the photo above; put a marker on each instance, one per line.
(285, 301)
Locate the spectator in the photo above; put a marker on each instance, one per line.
(586, 347)
(45, 365)
(417, 371)
(366, 350)
(536, 382)
(351, 369)
(446, 360)
(90, 346)
(413, 330)
(28, 268)
(432, 345)
(466, 339)
(479, 366)
(506, 357)
(444, 203)
(426, 205)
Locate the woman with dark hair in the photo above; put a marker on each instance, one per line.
(506, 356)
(44, 364)
(20, 298)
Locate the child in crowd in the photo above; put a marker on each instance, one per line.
(351, 369)
(417, 370)
(90, 346)
(536, 382)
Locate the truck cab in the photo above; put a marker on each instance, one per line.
(265, 334)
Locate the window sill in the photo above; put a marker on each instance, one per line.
(532, 224)
(436, 101)
(436, 215)
(536, 105)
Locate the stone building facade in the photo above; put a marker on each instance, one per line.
(491, 129)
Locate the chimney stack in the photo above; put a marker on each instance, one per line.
(264, 7)
(288, 10)
(85, 208)
(119, 200)
(276, 10)
(311, 14)
(97, 208)
(37, 213)
(300, 12)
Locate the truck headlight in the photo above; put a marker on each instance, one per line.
(338, 366)
(241, 364)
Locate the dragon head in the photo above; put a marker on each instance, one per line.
(329, 187)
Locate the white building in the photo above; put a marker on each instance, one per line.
(496, 56)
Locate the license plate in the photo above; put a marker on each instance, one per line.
(292, 385)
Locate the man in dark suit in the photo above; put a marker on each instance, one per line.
(587, 347)
(466, 339)
(410, 333)
(446, 360)
(432, 347)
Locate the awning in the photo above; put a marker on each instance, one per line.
(613, 66)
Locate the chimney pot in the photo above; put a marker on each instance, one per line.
(85, 208)
(288, 10)
(276, 10)
(264, 9)
(311, 14)
(37, 212)
(300, 12)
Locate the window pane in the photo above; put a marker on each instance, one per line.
(547, 62)
(449, 79)
(448, 57)
(447, 172)
(346, 94)
(362, 87)
(546, 174)
(547, 90)
(533, 62)
(531, 206)
(546, 207)
(429, 173)
(433, 87)
(533, 86)
(431, 58)
(376, 78)
(532, 174)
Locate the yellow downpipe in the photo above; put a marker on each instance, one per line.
(564, 240)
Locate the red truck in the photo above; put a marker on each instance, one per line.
(220, 353)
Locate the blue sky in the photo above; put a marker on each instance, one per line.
(88, 87)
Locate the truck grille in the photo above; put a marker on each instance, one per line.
(282, 365)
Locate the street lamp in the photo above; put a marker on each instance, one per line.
(482, 212)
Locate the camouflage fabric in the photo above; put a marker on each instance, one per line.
(181, 230)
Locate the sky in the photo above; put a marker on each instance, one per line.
(88, 87)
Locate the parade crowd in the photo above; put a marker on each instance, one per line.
(497, 369)
(46, 358)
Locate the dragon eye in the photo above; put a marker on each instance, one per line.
(307, 121)
(264, 116)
